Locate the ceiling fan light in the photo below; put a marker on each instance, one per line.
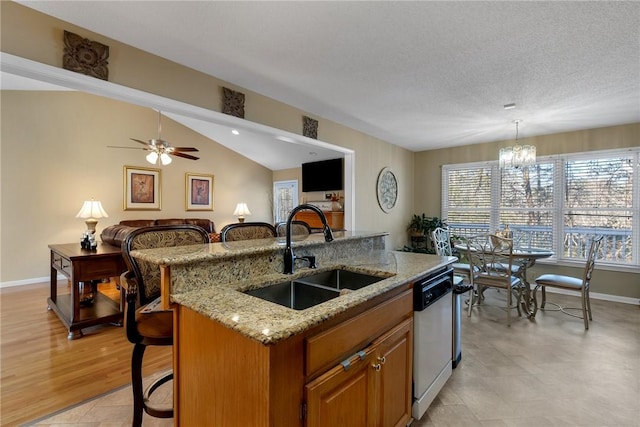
(152, 157)
(165, 158)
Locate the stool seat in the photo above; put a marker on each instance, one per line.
(155, 325)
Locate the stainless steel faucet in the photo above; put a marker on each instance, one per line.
(289, 257)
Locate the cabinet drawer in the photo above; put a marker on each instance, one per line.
(61, 264)
(329, 347)
(98, 269)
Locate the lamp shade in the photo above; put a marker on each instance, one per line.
(92, 209)
(241, 210)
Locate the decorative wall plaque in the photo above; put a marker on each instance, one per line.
(387, 190)
(233, 102)
(309, 127)
(85, 56)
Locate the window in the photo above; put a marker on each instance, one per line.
(559, 203)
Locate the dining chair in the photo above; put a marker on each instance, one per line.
(442, 243)
(572, 284)
(247, 231)
(491, 265)
(298, 228)
(146, 324)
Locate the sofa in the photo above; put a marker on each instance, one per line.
(115, 234)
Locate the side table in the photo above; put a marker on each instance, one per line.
(83, 265)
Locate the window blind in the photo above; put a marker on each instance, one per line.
(559, 203)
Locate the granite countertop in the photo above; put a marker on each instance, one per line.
(270, 323)
(210, 279)
(189, 254)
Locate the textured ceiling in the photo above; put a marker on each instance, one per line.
(420, 75)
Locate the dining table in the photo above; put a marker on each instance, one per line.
(523, 258)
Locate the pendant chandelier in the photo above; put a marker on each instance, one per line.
(517, 155)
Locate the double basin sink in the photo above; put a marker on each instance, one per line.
(305, 292)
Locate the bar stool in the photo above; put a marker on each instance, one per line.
(146, 324)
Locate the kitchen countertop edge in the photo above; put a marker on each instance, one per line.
(269, 323)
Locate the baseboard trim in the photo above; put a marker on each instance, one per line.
(599, 296)
(29, 281)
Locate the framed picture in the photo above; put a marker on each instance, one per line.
(199, 192)
(141, 189)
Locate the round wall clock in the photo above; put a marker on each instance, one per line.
(387, 189)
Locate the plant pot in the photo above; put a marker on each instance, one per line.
(418, 242)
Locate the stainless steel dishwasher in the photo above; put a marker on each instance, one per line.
(432, 337)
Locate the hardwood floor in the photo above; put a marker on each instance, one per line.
(546, 372)
(43, 372)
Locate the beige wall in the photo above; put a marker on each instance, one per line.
(55, 156)
(428, 181)
(38, 37)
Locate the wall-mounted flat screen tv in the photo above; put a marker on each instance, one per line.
(325, 175)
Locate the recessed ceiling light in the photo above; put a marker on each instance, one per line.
(235, 132)
(509, 106)
(313, 153)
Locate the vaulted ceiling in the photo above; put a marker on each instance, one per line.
(421, 75)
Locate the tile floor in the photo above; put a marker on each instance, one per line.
(546, 372)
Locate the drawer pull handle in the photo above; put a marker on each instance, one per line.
(377, 367)
(346, 363)
(382, 360)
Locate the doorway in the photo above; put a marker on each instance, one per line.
(285, 198)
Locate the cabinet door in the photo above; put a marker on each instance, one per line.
(374, 391)
(395, 355)
(343, 397)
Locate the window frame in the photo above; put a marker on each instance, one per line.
(558, 207)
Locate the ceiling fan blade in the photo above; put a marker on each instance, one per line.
(184, 149)
(186, 156)
(141, 142)
(130, 148)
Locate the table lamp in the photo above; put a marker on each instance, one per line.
(92, 209)
(241, 211)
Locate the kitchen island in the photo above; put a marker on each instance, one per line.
(241, 360)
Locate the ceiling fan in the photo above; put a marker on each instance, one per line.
(160, 150)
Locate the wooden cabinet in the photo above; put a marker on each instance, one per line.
(225, 378)
(335, 219)
(370, 388)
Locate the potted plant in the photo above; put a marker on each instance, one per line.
(420, 228)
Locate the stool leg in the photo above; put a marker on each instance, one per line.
(136, 383)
